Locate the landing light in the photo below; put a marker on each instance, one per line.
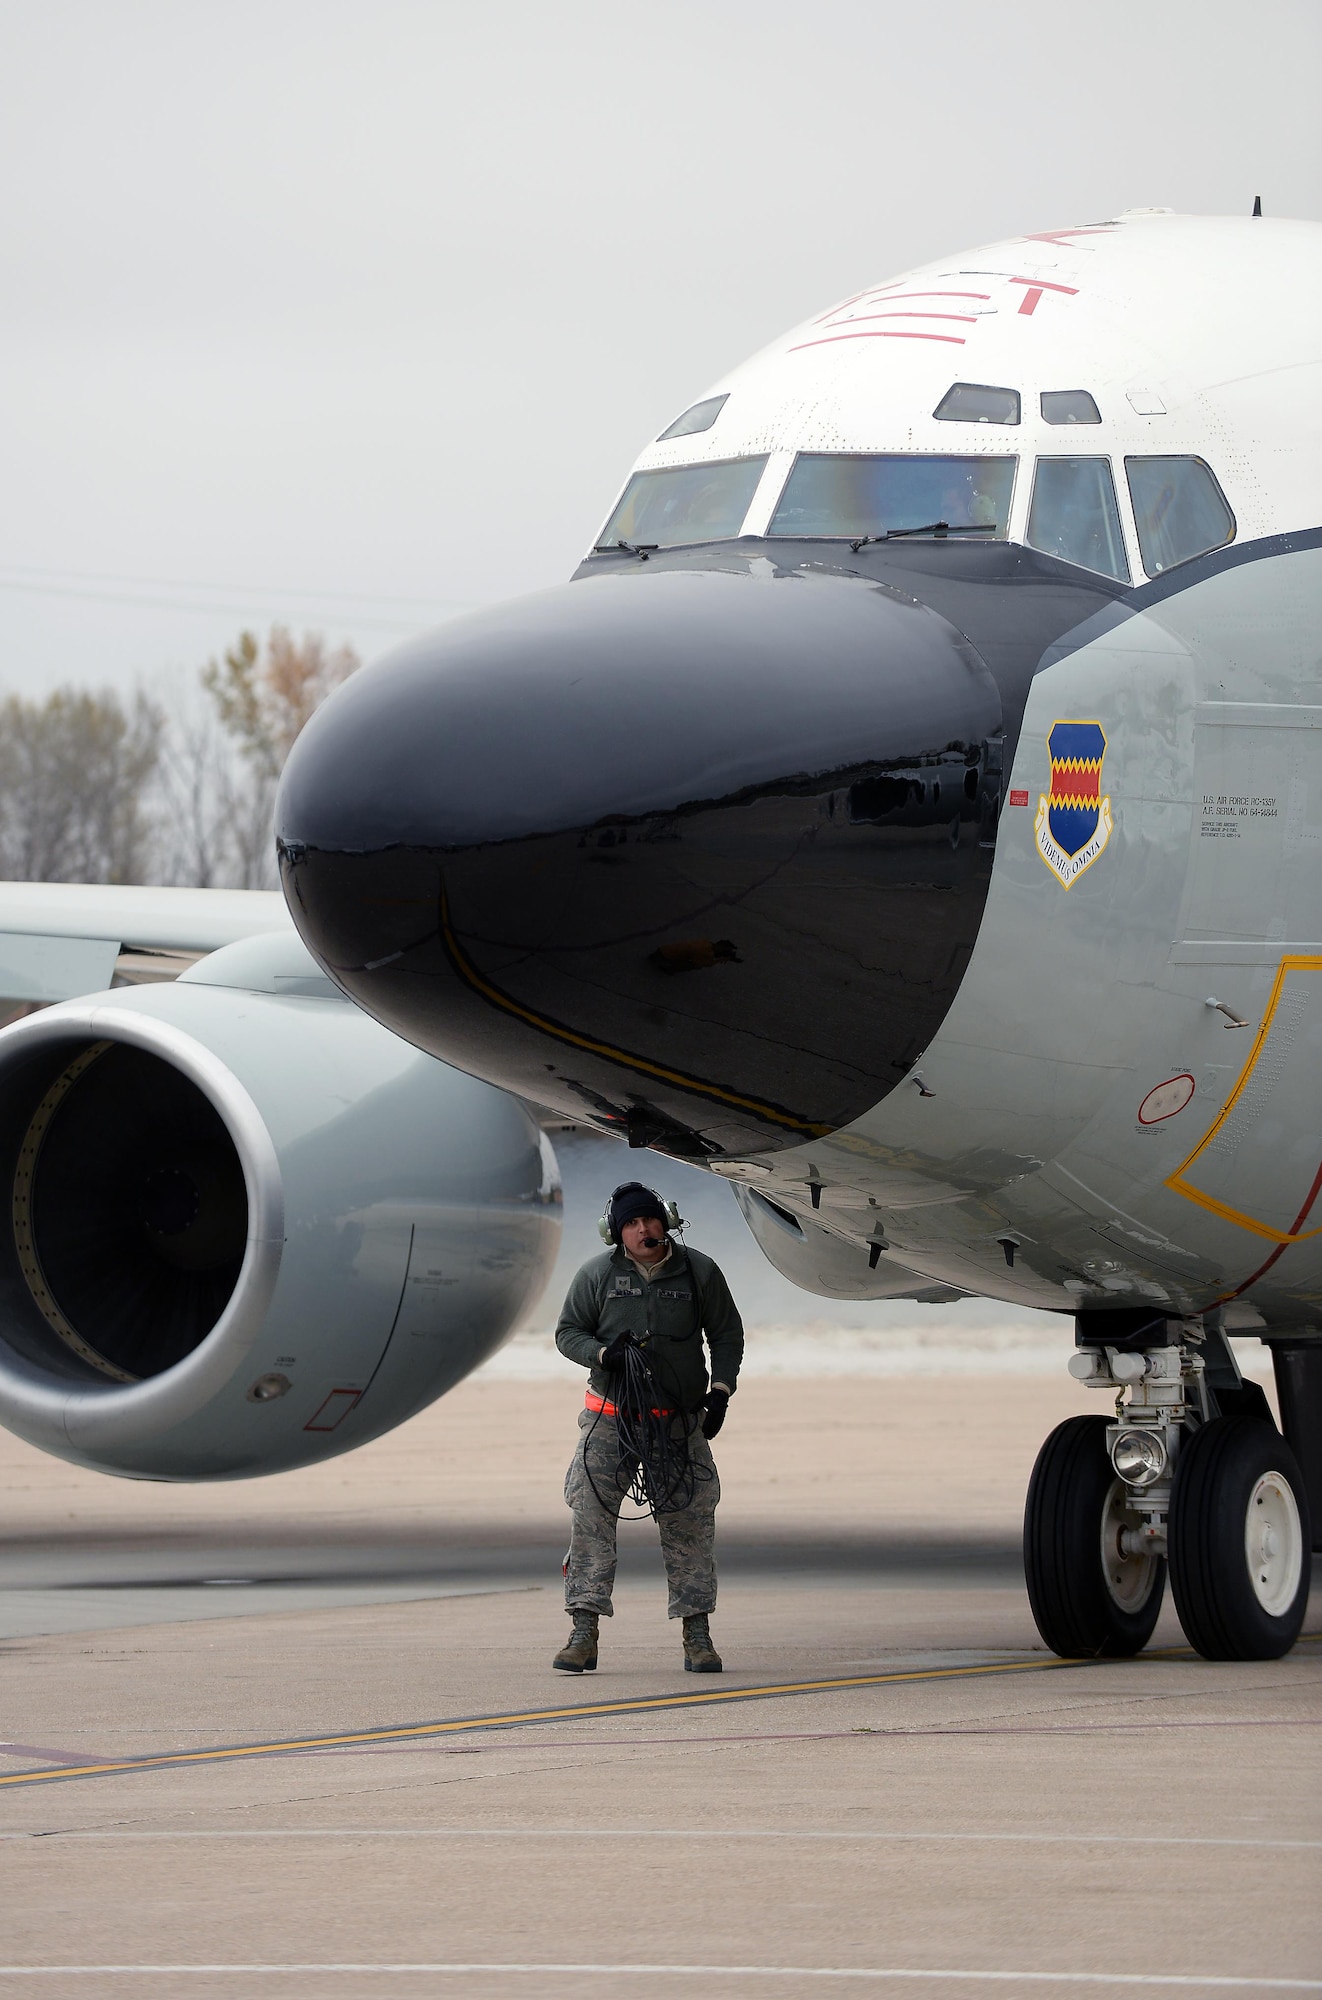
(1139, 1457)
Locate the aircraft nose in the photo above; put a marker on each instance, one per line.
(690, 854)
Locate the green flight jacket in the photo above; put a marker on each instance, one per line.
(666, 1314)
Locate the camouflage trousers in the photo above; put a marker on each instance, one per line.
(593, 1495)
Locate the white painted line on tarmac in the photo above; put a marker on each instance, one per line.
(1204, 1980)
(562, 1833)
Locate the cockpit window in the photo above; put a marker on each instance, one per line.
(1074, 515)
(975, 403)
(700, 418)
(838, 493)
(685, 503)
(1179, 510)
(1069, 406)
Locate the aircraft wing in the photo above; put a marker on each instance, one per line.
(60, 939)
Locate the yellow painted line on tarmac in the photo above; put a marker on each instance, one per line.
(230, 1753)
(527, 1717)
(522, 1718)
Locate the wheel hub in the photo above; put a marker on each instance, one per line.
(1273, 1543)
(1129, 1567)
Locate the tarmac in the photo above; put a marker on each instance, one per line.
(299, 1736)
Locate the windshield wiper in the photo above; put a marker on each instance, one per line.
(938, 528)
(640, 549)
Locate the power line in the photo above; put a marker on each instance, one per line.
(29, 580)
(179, 604)
(187, 583)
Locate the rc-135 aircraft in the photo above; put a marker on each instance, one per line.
(910, 811)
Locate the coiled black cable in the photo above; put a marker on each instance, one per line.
(655, 1467)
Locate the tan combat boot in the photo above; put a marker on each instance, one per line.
(579, 1655)
(700, 1656)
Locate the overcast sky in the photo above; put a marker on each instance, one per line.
(355, 315)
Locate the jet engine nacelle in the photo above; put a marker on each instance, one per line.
(249, 1228)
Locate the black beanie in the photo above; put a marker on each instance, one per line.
(631, 1201)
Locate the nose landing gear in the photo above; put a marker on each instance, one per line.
(1221, 1495)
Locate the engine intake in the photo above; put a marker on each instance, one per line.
(130, 1211)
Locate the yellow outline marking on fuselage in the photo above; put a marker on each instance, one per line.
(1176, 1180)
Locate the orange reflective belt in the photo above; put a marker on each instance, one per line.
(592, 1401)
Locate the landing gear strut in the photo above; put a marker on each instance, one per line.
(1170, 1477)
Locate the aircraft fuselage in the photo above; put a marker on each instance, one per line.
(911, 809)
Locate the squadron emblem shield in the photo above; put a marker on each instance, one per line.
(1073, 821)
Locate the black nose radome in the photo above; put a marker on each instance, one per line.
(693, 855)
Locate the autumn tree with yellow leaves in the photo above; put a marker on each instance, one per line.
(96, 787)
(262, 696)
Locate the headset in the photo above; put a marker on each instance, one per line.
(667, 1210)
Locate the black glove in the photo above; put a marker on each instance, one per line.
(718, 1402)
(612, 1356)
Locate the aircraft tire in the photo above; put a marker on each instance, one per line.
(1239, 1541)
(1088, 1603)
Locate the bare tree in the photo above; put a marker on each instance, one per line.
(75, 772)
(199, 782)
